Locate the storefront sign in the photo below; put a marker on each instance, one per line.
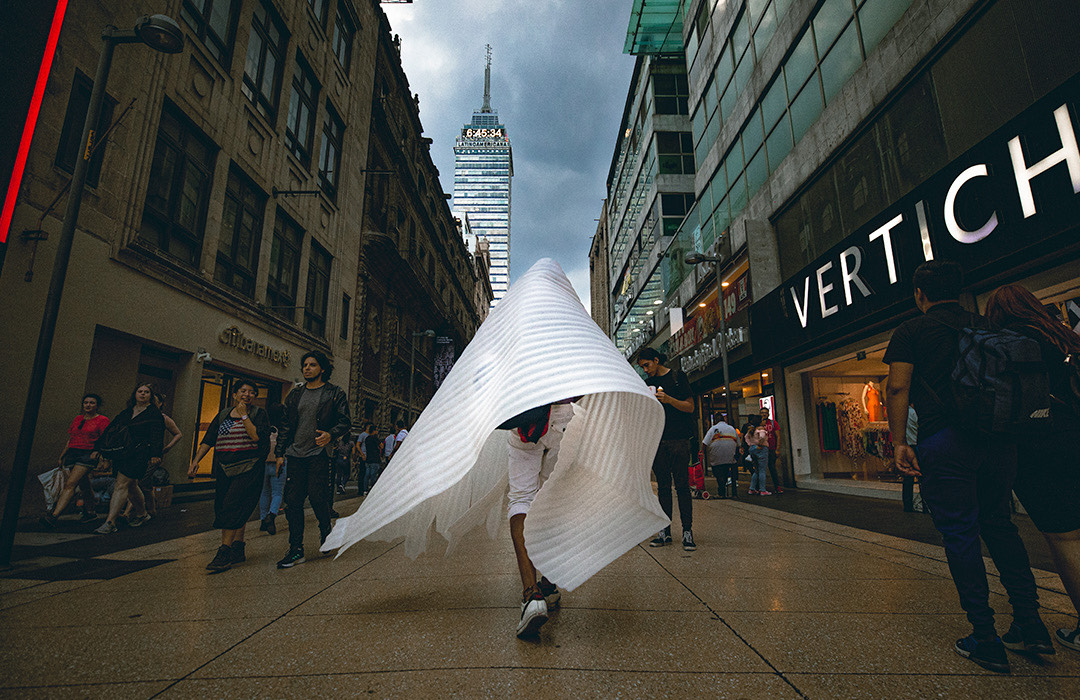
(1009, 200)
(710, 351)
(705, 322)
(234, 338)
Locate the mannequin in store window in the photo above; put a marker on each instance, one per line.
(871, 401)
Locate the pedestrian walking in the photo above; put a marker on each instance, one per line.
(1048, 481)
(757, 444)
(81, 458)
(966, 476)
(240, 437)
(316, 415)
(343, 462)
(133, 442)
(274, 476)
(672, 461)
(372, 459)
(721, 443)
(772, 442)
(147, 483)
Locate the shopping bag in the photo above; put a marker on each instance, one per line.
(52, 482)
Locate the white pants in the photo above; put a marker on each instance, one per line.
(531, 463)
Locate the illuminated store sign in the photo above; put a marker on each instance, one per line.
(483, 133)
(233, 337)
(1010, 199)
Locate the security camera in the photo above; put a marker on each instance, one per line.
(203, 356)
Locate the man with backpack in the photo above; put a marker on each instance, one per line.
(966, 470)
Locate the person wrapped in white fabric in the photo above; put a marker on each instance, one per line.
(583, 480)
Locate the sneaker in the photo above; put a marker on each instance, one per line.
(106, 528)
(1069, 638)
(764, 493)
(271, 528)
(534, 613)
(323, 534)
(139, 520)
(989, 654)
(294, 557)
(48, 520)
(88, 517)
(662, 538)
(222, 560)
(1033, 638)
(688, 541)
(238, 554)
(778, 490)
(262, 524)
(753, 492)
(550, 591)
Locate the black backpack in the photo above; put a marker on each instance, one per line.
(999, 383)
(115, 442)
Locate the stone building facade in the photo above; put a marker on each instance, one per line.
(599, 288)
(225, 228)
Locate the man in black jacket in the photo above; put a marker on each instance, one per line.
(316, 417)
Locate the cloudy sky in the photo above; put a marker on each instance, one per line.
(559, 82)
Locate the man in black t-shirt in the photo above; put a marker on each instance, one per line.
(672, 462)
(965, 478)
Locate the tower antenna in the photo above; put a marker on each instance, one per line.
(487, 82)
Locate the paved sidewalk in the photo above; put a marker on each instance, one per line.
(771, 605)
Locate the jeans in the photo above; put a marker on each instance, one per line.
(967, 482)
(672, 463)
(761, 463)
(308, 478)
(371, 473)
(273, 490)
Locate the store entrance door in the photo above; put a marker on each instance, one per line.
(215, 394)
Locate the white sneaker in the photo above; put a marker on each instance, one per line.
(534, 613)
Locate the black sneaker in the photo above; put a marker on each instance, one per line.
(222, 560)
(1032, 638)
(1069, 638)
(989, 654)
(238, 554)
(48, 520)
(550, 591)
(88, 517)
(662, 538)
(262, 524)
(688, 541)
(271, 528)
(294, 557)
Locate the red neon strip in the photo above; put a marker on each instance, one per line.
(31, 119)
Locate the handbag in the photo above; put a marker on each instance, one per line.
(242, 466)
(52, 482)
(115, 442)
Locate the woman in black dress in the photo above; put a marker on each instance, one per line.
(133, 442)
(240, 437)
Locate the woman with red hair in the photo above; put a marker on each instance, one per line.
(1049, 486)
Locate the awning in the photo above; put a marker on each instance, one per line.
(656, 27)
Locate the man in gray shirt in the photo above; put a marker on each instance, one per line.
(316, 417)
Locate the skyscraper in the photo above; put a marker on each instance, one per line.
(483, 166)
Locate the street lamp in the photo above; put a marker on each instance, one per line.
(412, 374)
(160, 33)
(697, 259)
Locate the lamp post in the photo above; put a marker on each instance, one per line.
(160, 33)
(697, 259)
(412, 374)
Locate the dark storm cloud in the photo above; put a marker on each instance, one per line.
(559, 81)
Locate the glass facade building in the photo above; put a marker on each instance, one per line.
(483, 168)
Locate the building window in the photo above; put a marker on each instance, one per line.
(346, 308)
(241, 233)
(344, 31)
(174, 217)
(319, 7)
(71, 145)
(330, 154)
(212, 21)
(300, 129)
(672, 93)
(676, 152)
(281, 284)
(318, 290)
(265, 53)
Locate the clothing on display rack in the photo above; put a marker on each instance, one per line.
(828, 427)
(852, 421)
(877, 441)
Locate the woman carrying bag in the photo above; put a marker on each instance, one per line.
(240, 437)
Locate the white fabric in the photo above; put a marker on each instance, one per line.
(537, 346)
(531, 463)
